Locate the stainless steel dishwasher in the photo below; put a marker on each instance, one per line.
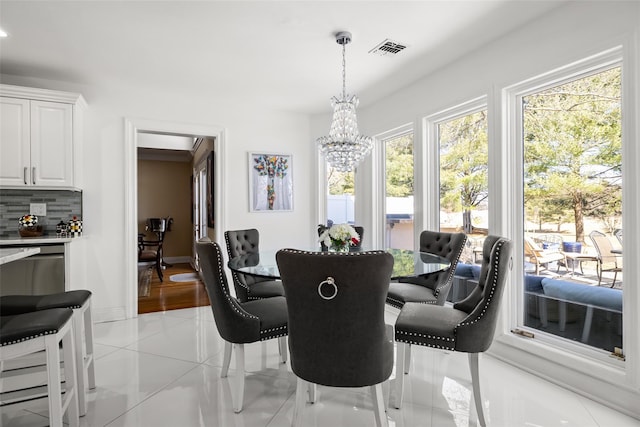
(35, 275)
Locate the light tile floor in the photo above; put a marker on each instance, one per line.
(163, 369)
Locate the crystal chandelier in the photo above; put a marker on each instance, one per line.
(344, 148)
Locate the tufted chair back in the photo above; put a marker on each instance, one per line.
(242, 242)
(447, 245)
(475, 333)
(337, 333)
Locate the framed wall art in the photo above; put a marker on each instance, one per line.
(270, 182)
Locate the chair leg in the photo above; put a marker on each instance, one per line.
(81, 377)
(542, 311)
(586, 329)
(378, 406)
(399, 374)
(475, 381)
(226, 360)
(282, 346)
(599, 271)
(562, 314)
(239, 380)
(72, 386)
(407, 358)
(53, 379)
(313, 393)
(301, 388)
(88, 337)
(159, 265)
(615, 274)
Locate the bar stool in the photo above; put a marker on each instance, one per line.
(44, 330)
(80, 302)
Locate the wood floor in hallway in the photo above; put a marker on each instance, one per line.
(154, 295)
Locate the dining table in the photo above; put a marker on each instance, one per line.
(406, 263)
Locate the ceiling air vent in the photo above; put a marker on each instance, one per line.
(388, 47)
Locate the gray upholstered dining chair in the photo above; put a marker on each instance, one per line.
(238, 322)
(337, 334)
(432, 288)
(247, 287)
(466, 327)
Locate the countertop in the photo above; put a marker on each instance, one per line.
(13, 254)
(27, 241)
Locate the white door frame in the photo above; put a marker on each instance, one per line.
(200, 206)
(131, 128)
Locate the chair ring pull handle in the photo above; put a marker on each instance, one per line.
(330, 281)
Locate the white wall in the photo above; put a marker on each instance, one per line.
(246, 129)
(570, 33)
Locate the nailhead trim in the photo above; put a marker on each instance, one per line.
(409, 340)
(494, 284)
(452, 268)
(395, 302)
(280, 331)
(298, 251)
(54, 331)
(399, 303)
(225, 290)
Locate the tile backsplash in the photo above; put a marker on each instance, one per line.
(62, 205)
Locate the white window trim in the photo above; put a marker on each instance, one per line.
(378, 181)
(431, 200)
(581, 368)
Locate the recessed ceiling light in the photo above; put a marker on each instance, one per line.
(3, 33)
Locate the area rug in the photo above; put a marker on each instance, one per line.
(184, 277)
(144, 280)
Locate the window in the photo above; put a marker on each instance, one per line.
(399, 189)
(464, 183)
(572, 207)
(341, 197)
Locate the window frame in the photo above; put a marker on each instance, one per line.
(564, 353)
(432, 142)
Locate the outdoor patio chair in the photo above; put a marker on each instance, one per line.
(542, 257)
(607, 261)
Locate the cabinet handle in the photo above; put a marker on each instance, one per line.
(33, 175)
(24, 175)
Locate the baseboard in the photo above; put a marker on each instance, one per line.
(177, 259)
(101, 315)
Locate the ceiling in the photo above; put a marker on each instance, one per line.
(276, 54)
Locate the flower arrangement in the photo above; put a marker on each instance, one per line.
(339, 236)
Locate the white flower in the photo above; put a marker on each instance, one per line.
(339, 234)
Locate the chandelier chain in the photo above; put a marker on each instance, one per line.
(344, 71)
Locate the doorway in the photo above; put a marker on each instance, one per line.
(133, 129)
(168, 216)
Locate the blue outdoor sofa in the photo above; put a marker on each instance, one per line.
(563, 293)
(556, 300)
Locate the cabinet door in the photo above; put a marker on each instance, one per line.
(51, 144)
(15, 159)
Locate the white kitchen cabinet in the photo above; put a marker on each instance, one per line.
(40, 138)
